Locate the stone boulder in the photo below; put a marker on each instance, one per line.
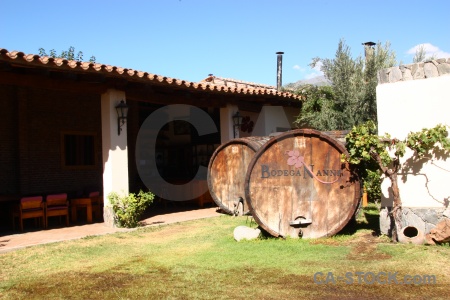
(439, 234)
(246, 233)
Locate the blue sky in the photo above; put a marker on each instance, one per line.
(188, 39)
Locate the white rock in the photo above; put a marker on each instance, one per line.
(430, 70)
(395, 75)
(247, 233)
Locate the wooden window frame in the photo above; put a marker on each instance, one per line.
(63, 150)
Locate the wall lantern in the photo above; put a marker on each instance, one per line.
(122, 112)
(237, 122)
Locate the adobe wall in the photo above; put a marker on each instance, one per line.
(31, 124)
(409, 98)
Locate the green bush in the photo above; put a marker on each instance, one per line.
(129, 209)
(372, 185)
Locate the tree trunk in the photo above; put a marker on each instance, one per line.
(396, 212)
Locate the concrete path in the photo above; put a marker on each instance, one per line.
(158, 217)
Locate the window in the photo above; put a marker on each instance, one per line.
(78, 150)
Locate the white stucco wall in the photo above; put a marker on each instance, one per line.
(114, 147)
(271, 119)
(407, 106)
(411, 105)
(226, 122)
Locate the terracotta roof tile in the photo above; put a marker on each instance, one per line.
(212, 83)
(236, 83)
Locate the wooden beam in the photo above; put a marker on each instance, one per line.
(35, 81)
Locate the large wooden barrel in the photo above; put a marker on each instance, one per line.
(297, 186)
(226, 172)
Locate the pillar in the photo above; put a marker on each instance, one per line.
(226, 123)
(114, 152)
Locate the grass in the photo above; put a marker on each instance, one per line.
(200, 260)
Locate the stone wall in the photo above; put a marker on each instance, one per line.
(422, 70)
(424, 219)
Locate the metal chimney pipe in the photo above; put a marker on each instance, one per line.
(279, 69)
(368, 49)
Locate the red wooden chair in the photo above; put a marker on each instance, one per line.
(29, 208)
(97, 204)
(57, 205)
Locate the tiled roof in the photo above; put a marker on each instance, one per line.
(34, 60)
(236, 83)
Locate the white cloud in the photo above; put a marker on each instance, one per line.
(318, 66)
(308, 73)
(297, 67)
(430, 50)
(313, 74)
(315, 71)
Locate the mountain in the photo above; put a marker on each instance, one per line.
(318, 81)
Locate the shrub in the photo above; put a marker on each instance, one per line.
(128, 209)
(372, 184)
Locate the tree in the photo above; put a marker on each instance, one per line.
(384, 152)
(318, 107)
(366, 106)
(353, 83)
(420, 55)
(69, 54)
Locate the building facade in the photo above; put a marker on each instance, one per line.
(409, 98)
(60, 130)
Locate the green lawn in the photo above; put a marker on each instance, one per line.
(200, 260)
